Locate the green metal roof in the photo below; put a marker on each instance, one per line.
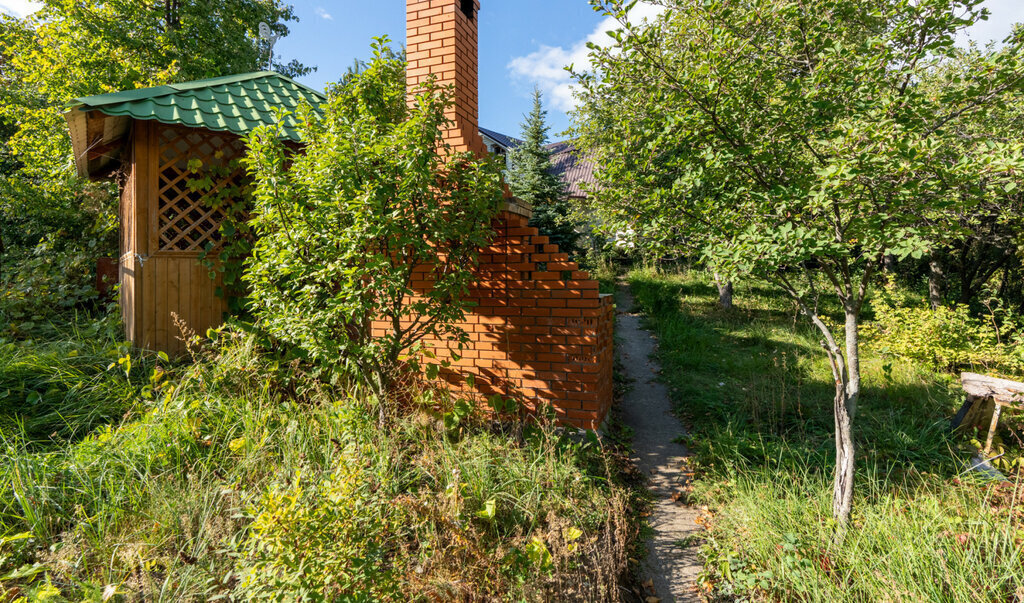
(237, 103)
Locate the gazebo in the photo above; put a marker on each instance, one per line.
(539, 331)
(152, 139)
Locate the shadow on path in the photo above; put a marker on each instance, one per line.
(672, 561)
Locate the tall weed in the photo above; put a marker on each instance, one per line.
(240, 476)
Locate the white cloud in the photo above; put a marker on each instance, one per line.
(1005, 13)
(545, 67)
(323, 14)
(19, 8)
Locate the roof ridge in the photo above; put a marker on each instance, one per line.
(220, 79)
(138, 94)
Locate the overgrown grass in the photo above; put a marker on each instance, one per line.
(54, 383)
(239, 477)
(755, 388)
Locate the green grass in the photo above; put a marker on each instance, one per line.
(58, 388)
(233, 471)
(755, 388)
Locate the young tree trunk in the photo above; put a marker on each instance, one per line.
(845, 364)
(724, 293)
(936, 282)
(889, 263)
(847, 395)
(846, 373)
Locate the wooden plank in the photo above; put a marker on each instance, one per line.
(992, 430)
(173, 284)
(1003, 391)
(185, 298)
(145, 335)
(152, 187)
(201, 293)
(196, 299)
(146, 282)
(137, 221)
(140, 179)
(128, 310)
(161, 316)
(210, 299)
(221, 303)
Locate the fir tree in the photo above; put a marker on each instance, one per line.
(531, 179)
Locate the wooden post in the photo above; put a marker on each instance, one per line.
(992, 429)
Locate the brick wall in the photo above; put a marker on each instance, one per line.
(539, 331)
(442, 40)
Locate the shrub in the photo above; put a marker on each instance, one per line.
(242, 477)
(947, 338)
(51, 236)
(376, 220)
(321, 540)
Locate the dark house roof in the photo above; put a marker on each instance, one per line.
(566, 162)
(574, 169)
(507, 142)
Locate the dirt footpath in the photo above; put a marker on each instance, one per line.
(672, 562)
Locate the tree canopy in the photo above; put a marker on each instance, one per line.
(74, 48)
(796, 140)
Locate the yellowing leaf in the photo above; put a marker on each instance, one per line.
(490, 507)
(573, 534)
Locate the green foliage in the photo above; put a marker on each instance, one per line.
(530, 178)
(825, 146)
(228, 474)
(323, 540)
(63, 390)
(349, 230)
(756, 394)
(948, 337)
(993, 226)
(800, 142)
(53, 225)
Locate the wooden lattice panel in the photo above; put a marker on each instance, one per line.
(187, 220)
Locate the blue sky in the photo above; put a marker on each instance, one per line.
(522, 43)
(332, 33)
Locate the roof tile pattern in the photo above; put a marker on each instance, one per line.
(573, 168)
(236, 104)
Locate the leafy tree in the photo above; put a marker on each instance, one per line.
(961, 270)
(376, 220)
(531, 179)
(796, 140)
(75, 48)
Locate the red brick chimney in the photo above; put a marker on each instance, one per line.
(442, 40)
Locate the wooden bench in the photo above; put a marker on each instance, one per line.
(982, 390)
